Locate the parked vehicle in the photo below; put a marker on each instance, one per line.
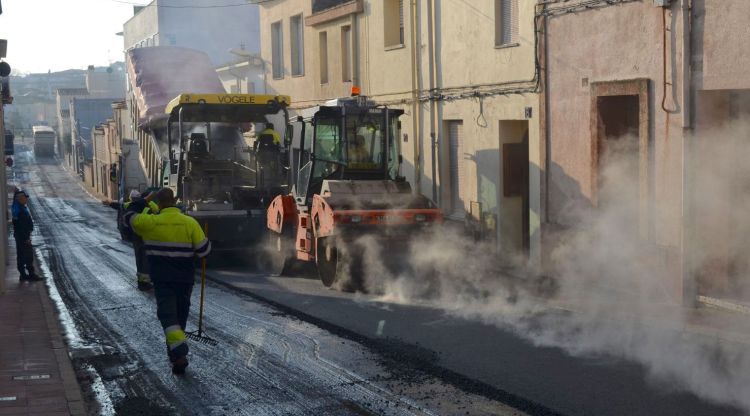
(44, 141)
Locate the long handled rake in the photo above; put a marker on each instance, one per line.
(198, 335)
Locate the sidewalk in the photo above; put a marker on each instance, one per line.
(36, 374)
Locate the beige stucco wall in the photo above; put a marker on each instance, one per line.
(724, 65)
(616, 43)
(142, 26)
(306, 89)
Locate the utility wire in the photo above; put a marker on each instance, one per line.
(168, 6)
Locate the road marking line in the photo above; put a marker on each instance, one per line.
(32, 377)
(381, 324)
(7, 398)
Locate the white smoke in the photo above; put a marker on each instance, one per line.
(608, 294)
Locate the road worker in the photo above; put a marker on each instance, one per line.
(142, 277)
(269, 130)
(172, 240)
(358, 152)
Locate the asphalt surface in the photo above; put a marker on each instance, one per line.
(482, 357)
(266, 362)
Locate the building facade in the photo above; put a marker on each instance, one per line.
(63, 97)
(466, 78)
(213, 30)
(244, 76)
(85, 115)
(647, 126)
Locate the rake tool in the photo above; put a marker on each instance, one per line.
(198, 335)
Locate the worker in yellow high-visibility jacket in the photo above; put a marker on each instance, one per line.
(272, 133)
(172, 241)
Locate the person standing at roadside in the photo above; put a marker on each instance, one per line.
(172, 240)
(23, 225)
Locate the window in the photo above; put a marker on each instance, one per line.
(323, 51)
(393, 13)
(277, 50)
(346, 53)
(297, 39)
(506, 22)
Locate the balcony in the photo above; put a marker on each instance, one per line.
(327, 10)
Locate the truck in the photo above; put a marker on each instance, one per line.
(44, 141)
(345, 183)
(190, 135)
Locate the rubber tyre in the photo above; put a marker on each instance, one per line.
(281, 247)
(327, 261)
(332, 263)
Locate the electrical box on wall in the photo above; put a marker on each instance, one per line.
(662, 3)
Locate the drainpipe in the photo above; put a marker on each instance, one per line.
(416, 83)
(547, 122)
(689, 286)
(433, 104)
(355, 50)
(687, 57)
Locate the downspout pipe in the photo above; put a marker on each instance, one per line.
(355, 50)
(687, 57)
(416, 83)
(689, 285)
(433, 110)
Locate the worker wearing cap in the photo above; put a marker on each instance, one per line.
(143, 279)
(172, 241)
(269, 130)
(23, 225)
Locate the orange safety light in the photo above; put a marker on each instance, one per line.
(356, 91)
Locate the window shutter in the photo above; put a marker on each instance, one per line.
(508, 21)
(513, 21)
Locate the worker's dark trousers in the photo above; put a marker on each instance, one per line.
(25, 258)
(141, 260)
(172, 308)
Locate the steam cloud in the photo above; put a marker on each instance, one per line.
(609, 294)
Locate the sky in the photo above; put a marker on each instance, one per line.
(63, 34)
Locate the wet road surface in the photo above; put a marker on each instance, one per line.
(266, 363)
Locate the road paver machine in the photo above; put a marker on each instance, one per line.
(220, 179)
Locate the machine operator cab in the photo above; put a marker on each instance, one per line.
(347, 139)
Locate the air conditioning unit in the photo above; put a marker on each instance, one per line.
(662, 3)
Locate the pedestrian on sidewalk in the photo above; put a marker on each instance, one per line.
(172, 241)
(142, 276)
(23, 225)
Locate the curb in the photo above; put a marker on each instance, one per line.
(76, 405)
(723, 304)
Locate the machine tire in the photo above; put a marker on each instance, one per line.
(281, 247)
(327, 261)
(332, 262)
